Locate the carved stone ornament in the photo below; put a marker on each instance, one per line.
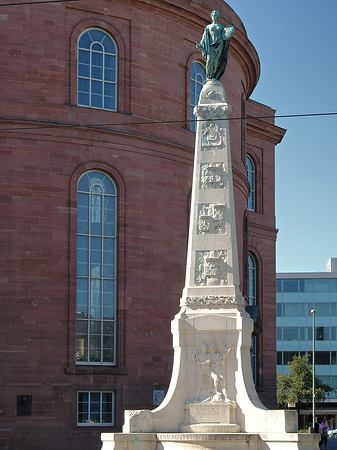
(213, 136)
(206, 112)
(210, 360)
(212, 176)
(211, 268)
(211, 219)
(212, 300)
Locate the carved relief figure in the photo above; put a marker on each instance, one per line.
(212, 386)
(211, 268)
(212, 176)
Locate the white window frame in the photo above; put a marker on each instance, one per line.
(251, 174)
(88, 360)
(197, 82)
(92, 79)
(100, 423)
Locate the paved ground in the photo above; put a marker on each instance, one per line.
(332, 444)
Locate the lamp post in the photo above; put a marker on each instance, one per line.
(313, 369)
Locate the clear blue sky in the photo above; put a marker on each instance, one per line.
(296, 41)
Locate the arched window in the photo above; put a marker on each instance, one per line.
(96, 269)
(97, 71)
(251, 173)
(252, 279)
(252, 282)
(197, 80)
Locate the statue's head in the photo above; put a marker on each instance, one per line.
(215, 15)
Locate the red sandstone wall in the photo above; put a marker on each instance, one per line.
(152, 167)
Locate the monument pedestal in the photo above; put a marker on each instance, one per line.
(211, 402)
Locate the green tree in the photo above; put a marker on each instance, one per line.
(296, 386)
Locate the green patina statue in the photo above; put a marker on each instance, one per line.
(215, 44)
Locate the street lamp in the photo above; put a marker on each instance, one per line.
(313, 370)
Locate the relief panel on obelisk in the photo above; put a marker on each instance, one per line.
(212, 175)
(213, 137)
(211, 218)
(211, 268)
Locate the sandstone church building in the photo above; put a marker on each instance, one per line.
(96, 146)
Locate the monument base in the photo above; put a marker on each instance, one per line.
(213, 441)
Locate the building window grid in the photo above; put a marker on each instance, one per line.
(251, 174)
(103, 82)
(90, 321)
(197, 80)
(87, 412)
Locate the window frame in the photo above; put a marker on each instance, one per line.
(100, 423)
(192, 104)
(102, 278)
(251, 177)
(103, 81)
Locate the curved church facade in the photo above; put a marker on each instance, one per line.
(97, 145)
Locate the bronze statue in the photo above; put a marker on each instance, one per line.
(215, 44)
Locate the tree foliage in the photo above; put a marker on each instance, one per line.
(296, 386)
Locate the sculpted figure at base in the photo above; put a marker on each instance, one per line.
(215, 44)
(212, 383)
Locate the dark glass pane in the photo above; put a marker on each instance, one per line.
(290, 333)
(84, 57)
(321, 285)
(279, 358)
(82, 298)
(322, 309)
(97, 59)
(96, 257)
(97, 47)
(97, 87)
(108, 355)
(82, 255)
(95, 327)
(302, 285)
(333, 333)
(95, 348)
(288, 357)
(81, 347)
(108, 327)
(109, 103)
(96, 101)
(95, 298)
(279, 334)
(82, 417)
(278, 285)
(83, 99)
(84, 182)
(83, 71)
(322, 358)
(97, 35)
(110, 64)
(109, 89)
(333, 285)
(279, 309)
(82, 214)
(333, 357)
(290, 285)
(109, 258)
(309, 285)
(109, 45)
(302, 309)
(290, 309)
(85, 40)
(96, 214)
(97, 73)
(302, 334)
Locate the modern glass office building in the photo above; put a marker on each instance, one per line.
(297, 295)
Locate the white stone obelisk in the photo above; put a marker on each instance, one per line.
(211, 401)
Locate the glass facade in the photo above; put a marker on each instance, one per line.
(296, 296)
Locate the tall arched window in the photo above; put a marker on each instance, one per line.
(252, 282)
(251, 173)
(97, 70)
(96, 270)
(197, 80)
(252, 279)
